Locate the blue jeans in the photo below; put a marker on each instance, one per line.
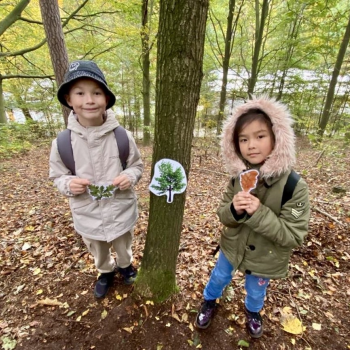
(221, 276)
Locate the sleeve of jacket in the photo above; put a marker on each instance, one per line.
(291, 226)
(60, 175)
(226, 210)
(134, 168)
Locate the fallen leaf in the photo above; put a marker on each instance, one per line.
(8, 343)
(316, 326)
(85, 312)
(104, 314)
(128, 329)
(50, 302)
(243, 343)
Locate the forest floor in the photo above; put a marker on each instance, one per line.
(47, 276)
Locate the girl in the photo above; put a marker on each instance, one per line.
(259, 234)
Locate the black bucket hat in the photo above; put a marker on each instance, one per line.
(83, 69)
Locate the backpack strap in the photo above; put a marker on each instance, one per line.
(123, 144)
(64, 147)
(289, 187)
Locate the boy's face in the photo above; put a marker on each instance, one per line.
(88, 100)
(255, 142)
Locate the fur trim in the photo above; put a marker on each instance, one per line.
(282, 158)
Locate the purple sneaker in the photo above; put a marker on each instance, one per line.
(205, 314)
(254, 324)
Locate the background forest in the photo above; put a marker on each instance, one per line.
(152, 53)
(287, 49)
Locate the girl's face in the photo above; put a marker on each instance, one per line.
(255, 142)
(88, 100)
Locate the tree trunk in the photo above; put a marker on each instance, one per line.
(53, 29)
(225, 64)
(330, 94)
(3, 119)
(179, 75)
(260, 24)
(146, 84)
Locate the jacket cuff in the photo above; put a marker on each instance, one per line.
(234, 213)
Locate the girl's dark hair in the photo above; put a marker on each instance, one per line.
(247, 118)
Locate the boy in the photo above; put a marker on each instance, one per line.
(107, 222)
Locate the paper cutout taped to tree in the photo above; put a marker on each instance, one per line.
(248, 180)
(169, 178)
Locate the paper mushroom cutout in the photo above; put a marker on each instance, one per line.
(169, 178)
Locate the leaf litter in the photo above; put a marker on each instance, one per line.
(47, 276)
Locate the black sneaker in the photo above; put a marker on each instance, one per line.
(129, 273)
(254, 324)
(205, 314)
(105, 280)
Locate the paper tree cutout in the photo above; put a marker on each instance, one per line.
(169, 178)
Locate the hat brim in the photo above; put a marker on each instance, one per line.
(64, 88)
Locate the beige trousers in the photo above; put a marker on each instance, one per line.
(101, 252)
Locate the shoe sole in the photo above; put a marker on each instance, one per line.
(199, 326)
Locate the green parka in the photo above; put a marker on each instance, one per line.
(261, 244)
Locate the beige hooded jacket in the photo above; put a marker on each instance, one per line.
(96, 158)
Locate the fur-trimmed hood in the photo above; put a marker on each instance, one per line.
(282, 158)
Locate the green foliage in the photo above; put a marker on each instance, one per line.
(16, 138)
(101, 191)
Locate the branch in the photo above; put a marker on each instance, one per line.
(43, 42)
(13, 16)
(16, 76)
(29, 20)
(330, 216)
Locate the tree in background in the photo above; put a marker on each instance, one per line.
(179, 73)
(146, 83)
(260, 19)
(54, 34)
(330, 94)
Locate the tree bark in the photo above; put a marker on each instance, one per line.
(146, 84)
(3, 119)
(330, 94)
(55, 39)
(179, 74)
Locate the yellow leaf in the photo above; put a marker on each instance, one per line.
(104, 314)
(36, 271)
(78, 319)
(149, 302)
(85, 312)
(190, 326)
(292, 325)
(118, 297)
(50, 302)
(40, 291)
(293, 341)
(316, 326)
(128, 329)
(30, 228)
(174, 315)
(168, 324)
